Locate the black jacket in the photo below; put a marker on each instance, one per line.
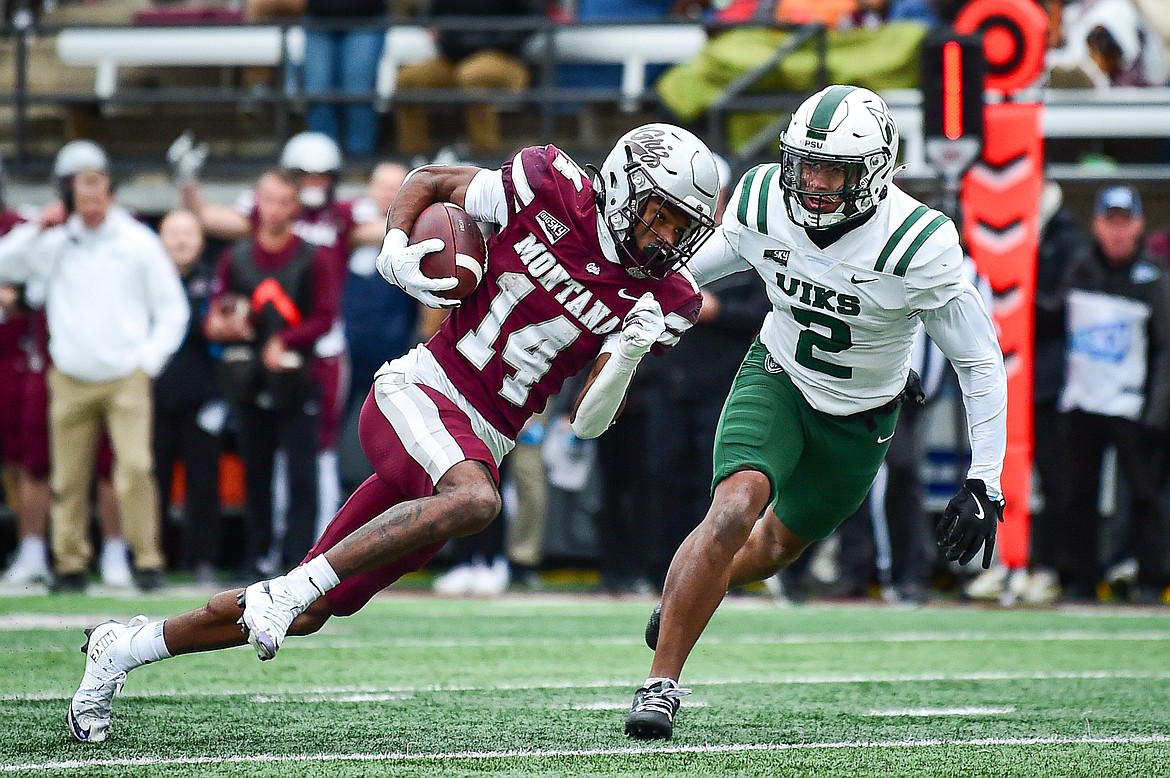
(188, 380)
(459, 44)
(1060, 242)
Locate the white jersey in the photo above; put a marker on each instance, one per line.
(843, 318)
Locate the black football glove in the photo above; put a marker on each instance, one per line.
(970, 522)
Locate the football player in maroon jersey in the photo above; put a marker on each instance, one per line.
(584, 270)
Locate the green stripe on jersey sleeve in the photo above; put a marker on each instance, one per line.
(745, 195)
(762, 207)
(904, 262)
(892, 243)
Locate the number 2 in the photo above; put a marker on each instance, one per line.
(839, 338)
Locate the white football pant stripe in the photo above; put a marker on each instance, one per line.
(415, 418)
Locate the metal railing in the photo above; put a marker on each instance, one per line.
(547, 47)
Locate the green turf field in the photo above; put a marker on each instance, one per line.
(524, 686)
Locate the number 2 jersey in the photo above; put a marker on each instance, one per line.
(550, 297)
(843, 317)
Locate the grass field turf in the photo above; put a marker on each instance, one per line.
(524, 686)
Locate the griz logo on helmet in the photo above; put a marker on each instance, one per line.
(649, 146)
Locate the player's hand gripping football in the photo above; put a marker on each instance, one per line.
(399, 264)
(970, 521)
(642, 327)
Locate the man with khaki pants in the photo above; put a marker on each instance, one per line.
(116, 312)
(474, 59)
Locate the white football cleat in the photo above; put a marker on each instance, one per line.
(27, 570)
(269, 610)
(89, 710)
(115, 568)
(456, 582)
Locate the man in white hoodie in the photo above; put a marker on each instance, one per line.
(116, 313)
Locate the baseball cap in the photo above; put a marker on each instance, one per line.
(1118, 198)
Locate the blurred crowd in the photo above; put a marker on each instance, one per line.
(169, 351)
(1092, 44)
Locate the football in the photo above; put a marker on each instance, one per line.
(464, 253)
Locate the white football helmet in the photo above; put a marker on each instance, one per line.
(78, 155)
(671, 164)
(311, 152)
(839, 129)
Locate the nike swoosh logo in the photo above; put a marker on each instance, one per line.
(856, 280)
(886, 438)
(626, 295)
(978, 509)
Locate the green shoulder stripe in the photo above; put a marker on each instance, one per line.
(745, 194)
(892, 243)
(904, 262)
(762, 209)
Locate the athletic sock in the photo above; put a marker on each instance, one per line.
(143, 646)
(312, 579)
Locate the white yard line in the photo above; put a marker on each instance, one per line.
(394, 756)
(299, 694)
(970, 710)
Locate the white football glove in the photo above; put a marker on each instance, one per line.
(642, 327)
(186, 157)
(399, 264)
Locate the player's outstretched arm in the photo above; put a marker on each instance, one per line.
(604, 394)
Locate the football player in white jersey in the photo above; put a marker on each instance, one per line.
(853, 265)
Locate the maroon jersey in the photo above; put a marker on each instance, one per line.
(549, 297)
(329, 227)
(11, 330)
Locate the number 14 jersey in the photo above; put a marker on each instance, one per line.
(549, 298)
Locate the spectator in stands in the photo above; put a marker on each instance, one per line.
(481, 58)
(1061, 240)
(188, 411)
(380, 319)
(525, 495)
(31, 562)
(1107, 43)
(610, 75)
(97, 263)
(1157, 16)
(275, 296)
(25, 447)
(872, 13)
(344, 60)
(1117, 388)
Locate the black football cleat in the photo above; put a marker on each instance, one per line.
(651, 716)
(652, 627)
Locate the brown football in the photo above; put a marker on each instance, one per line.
(464, 253)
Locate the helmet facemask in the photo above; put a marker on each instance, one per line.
(829, 190)
(645, 203)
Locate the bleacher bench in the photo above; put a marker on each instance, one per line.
(107, 49)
